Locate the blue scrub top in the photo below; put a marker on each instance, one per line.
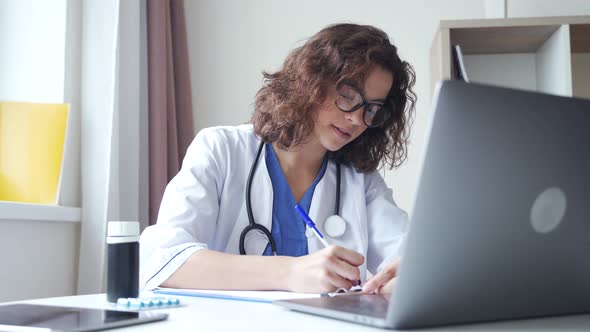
(288, 229)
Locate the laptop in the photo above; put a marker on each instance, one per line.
(501, 221)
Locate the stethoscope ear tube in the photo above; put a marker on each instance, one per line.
(252, 225)
(249, 185)
(257, 228)
(337, 203)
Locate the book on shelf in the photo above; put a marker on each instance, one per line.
(458, 71)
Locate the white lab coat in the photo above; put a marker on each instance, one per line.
(204, 207)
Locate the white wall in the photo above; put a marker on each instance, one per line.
(538, 8)
(231, 42)
(32, 44)
(39, 259)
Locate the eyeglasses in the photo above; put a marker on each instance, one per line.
(348, 99)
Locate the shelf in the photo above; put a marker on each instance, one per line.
(513, 22)
(11, 211)
(542, 54)
(514, 39)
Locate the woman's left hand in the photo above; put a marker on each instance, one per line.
(384, 281)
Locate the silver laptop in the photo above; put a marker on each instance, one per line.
(501, 222)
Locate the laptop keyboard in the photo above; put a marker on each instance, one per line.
(366, 305)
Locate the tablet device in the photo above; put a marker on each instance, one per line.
(32, 317)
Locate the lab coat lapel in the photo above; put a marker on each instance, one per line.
(322, 206)
(262, 199)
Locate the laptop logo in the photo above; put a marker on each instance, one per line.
(548, 210)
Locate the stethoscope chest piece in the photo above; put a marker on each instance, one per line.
(334, 226)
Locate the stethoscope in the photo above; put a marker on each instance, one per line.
(334, 226)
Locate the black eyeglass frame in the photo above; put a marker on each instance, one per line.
(365, 103)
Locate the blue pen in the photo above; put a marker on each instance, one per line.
(311, 225)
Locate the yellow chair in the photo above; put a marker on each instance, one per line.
(32, 138)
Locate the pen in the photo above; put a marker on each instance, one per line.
(311, 225)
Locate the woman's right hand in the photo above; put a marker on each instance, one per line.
(324, 271)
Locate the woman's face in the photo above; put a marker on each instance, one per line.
(334, 128)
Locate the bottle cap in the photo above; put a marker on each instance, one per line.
(123, 228)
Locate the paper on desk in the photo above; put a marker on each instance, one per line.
(250, 296)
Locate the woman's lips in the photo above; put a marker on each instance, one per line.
(341, 132)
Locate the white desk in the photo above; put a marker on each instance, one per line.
(201, 314)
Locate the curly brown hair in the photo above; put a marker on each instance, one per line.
(286, 105)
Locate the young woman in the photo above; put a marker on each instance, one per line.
(323, 124)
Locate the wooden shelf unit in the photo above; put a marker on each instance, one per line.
(546, 54)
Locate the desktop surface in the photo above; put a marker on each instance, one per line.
(225, 315)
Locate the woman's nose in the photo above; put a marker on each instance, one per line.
(356, 117)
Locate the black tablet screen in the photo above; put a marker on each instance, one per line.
(71, 319)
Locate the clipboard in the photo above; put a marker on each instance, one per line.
(249, 296)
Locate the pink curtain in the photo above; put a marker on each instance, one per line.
(170, 106)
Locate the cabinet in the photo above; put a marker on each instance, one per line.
(547, 54)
